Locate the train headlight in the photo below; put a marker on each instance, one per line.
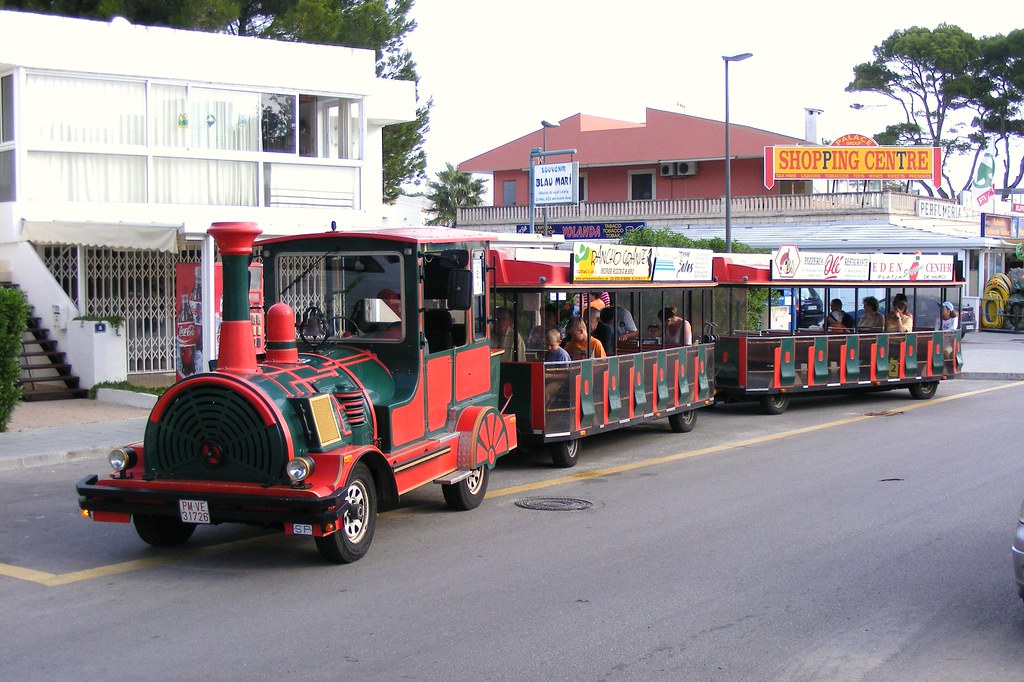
(299, 468)
(121, 459)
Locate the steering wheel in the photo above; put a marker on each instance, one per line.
(313, 327)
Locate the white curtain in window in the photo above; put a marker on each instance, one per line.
(202, 181)
(84, 110)
(55, 176)
(168, 114)
(224, 119)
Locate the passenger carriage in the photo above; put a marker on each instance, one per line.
(776, 339)
(644, 377)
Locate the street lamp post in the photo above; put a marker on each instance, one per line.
(544, 147)
(728, 159)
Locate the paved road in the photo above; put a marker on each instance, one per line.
(823, 544)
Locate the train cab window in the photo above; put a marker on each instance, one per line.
(358, 295)
(446, 324)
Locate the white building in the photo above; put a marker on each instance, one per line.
(120, 144)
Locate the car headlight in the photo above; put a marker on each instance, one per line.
(299, 468)
(121, 459)
(1020, 514)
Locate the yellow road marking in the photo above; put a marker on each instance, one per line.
(58, 579)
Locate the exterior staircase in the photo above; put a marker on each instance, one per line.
(45, 372)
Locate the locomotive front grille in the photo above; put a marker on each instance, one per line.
(354, 406)
(209, 432)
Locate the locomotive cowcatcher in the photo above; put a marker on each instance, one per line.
(378, 378)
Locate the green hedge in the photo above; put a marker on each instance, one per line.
(13, 320)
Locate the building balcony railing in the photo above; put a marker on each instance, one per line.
(702, 210)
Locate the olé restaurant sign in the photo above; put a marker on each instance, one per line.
(788, 262)
(852, 157)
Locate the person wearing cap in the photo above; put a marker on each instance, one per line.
(948, 320)
(392, 300)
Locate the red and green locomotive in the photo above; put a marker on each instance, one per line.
(390, 385)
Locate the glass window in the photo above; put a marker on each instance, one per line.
(55, 176)
(641, 186)
(7, 108)
(7, 175)
(277, 113)
(168, 116)
(85, 110)
(204, 181)
(360, 294)
(224, 119)
(508, 193)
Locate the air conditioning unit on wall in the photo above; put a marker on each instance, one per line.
(668, 169)
(686, 167)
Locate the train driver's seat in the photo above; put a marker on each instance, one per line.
(437, 327)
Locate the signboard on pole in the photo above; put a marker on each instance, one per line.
(556, 183)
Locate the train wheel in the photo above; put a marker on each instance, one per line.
(683, 422)
(469, 492)
(162, 531)
(565, 453)
(775, 403)
(352, 540)
(925, 391)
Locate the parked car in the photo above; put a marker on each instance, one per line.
(810, 309)
(1018, 553)
(968, 319)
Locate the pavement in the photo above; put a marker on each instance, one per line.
(53, 432)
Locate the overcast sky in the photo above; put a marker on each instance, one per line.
(496, 69)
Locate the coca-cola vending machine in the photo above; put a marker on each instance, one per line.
(190, 354)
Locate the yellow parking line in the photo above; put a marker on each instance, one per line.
(58, 579)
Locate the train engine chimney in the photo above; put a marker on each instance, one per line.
(237, 351)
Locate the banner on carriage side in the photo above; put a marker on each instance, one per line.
(911, 267)
(789, 262)
(612, 263)
(682, 265)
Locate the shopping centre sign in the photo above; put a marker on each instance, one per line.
(852, 157)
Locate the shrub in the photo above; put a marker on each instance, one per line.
(13, 321)
(126, 386)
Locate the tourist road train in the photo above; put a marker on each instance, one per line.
(399, 358)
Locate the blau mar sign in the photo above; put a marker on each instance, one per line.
(555, 183)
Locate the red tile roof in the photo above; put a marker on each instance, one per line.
(604, 141)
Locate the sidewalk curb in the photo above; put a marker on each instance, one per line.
(52, 459)
(126, 398)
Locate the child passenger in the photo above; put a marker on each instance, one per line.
(553, 344)
(578, 345)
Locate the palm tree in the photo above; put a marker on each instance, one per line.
(452, 190)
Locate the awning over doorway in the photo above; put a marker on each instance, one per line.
(120, 236)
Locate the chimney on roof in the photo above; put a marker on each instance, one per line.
(811, 124)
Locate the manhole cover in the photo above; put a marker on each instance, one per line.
(554, 504)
